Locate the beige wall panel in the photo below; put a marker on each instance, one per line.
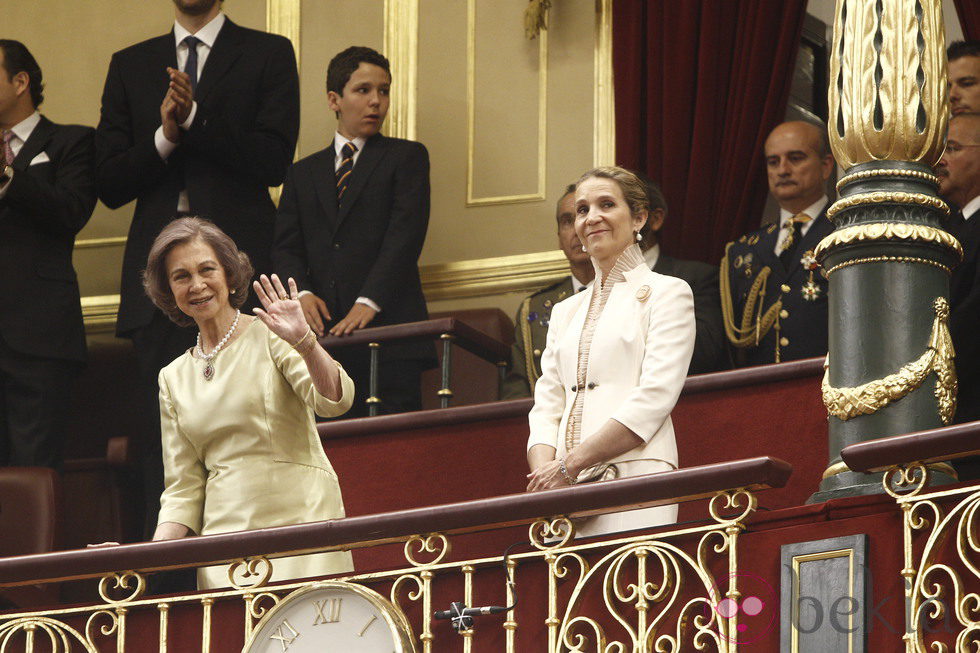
(458, 232)
(506, 70)
(327, 27)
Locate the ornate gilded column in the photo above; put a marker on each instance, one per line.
(890, 367)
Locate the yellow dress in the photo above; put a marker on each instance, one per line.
(241, 451)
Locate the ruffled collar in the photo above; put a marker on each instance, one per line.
(630, 258)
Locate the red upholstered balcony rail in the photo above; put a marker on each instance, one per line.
(640, 491)
(924, 446)
(470, 339)
(714, 382)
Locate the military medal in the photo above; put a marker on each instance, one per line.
(810, 291)
(809, 261)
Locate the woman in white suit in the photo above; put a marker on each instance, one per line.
(615, 361)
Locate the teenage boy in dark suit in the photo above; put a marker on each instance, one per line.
(351, 224)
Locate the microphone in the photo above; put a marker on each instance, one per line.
(459, 609)
(462, 617)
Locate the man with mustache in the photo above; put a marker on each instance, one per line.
(199, 121)
(964, 76)
(774, 298)
(959, 176)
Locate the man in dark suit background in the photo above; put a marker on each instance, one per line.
(959, 176)
(773, 296)
(351, 225)
(47, 193)
(202, 120)
(709, 344)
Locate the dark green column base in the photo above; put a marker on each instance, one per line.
(853, 484)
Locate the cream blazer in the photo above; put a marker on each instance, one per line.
(640, 353)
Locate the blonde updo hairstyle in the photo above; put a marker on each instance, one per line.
(238, 269)
(633, 189)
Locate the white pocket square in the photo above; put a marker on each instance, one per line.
(40, 158)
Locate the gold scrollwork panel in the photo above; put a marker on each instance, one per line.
(941, 535)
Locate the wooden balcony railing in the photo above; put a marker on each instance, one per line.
(580, 501)
(449, 330)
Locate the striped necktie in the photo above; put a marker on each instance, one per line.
(346, 167)
(8, 151)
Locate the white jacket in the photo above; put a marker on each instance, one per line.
(638, 361)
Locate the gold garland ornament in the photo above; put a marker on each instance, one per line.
(536, 18)
(869, 398)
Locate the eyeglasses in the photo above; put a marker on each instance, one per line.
(954, 147)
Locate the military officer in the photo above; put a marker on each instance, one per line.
(531, 323)
(774, 297)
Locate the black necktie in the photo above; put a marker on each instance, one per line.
(346, 166)
(191, 66)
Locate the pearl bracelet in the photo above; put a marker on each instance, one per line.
(564, 472)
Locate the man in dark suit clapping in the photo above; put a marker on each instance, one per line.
(47, 193)
(351, 225)
(202, 120)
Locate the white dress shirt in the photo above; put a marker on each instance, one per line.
(338, 147)
(578, 286)
(785, 216)
(207, 36)
(971, 207)
(21, 131)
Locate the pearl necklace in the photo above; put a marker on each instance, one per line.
(208, 367)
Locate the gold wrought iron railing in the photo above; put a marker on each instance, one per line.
(648, 591)
(940, 532)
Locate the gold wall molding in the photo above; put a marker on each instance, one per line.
(888, 231)
(401, 46)
(868, 398)
(98, 243)
(283, 17)
(539, 194)
(456, 280)
(604, 98)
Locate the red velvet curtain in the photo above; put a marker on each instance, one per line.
(699, 85)
(969, 13)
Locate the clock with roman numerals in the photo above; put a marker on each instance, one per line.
(332, 616)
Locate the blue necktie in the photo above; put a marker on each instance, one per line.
(191, 66)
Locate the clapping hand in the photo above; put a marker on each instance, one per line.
(182, 94)
(282, 313)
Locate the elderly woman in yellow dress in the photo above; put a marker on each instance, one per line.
(616, 358)
(240, 447)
